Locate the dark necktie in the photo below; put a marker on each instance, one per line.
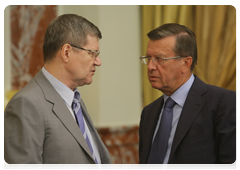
(79, 116)
(160, 143)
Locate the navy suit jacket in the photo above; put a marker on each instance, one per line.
(206, 131)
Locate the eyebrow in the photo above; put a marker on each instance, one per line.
(158, 55)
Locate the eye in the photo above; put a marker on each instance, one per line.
(159, 59)
(91, 54)
(148, 58)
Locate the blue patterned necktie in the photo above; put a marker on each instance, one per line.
(79, 117)
(160, 143)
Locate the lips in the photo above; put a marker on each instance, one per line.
(153, 77)
(93, 71)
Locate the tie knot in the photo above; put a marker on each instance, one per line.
(76, 98)
(170, 103)
(76, 101)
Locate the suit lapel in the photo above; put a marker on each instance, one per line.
(154, 120)
(152, 126)
(86, 116)
(89, 122)
(192, 107)
(103, 152)
(71, 125)
(61, 111)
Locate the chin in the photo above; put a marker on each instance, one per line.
(156, 85)
(88, 82)
(85, 82)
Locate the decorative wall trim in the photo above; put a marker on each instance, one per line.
(28, 26)
(122, 143)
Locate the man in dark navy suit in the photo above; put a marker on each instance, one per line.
(203, 117)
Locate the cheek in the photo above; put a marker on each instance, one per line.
(86, 69)
(166, 75)
(78, 70)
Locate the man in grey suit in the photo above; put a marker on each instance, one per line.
(42, 122)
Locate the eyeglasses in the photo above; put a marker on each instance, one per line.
(156, 60)
(94, 53)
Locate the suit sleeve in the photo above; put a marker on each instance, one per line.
(140, 135)
(226, 129)
(23, 132)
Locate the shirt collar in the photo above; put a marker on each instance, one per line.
(77, 93)
(180, 95)
(65, 92)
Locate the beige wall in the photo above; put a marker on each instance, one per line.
(114, 97)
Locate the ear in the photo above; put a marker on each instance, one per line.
(65, 52)
(187, 62)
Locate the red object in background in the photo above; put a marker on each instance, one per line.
(28, 26)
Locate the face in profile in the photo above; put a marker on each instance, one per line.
(83, 63)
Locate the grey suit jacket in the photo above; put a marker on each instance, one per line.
(38, 128)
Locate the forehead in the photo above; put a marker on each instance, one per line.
(92, 42)
(164, 46)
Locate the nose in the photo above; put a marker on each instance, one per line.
(151, 64)
(97, 61)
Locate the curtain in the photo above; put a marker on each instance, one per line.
(215, 29)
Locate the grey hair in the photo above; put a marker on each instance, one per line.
(67, 28)
(186, 44)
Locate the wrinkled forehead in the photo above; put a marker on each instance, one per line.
(161, 47)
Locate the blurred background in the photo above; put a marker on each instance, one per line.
(120, 87)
